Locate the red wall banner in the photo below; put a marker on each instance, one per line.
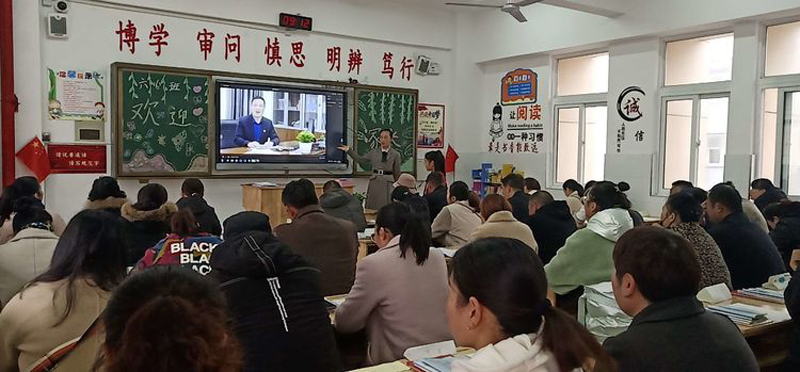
(77, 158)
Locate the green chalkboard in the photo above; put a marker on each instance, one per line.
(163, 123)
(377, 109)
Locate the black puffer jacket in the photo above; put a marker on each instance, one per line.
(775, 195)
(551, 226)
(786, 237)
(341, 204)
(274, 297)
(792, 296)
(204, 214)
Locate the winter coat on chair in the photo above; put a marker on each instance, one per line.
(343, 205)
(274, 298)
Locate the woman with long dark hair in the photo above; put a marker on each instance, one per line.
(168, 319)
(58, 306)
(22, 187)
(434, 161)
(574, 193)
(147, 220)
(498, 306)
(400, 291)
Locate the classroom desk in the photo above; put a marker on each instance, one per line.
(769, 342)
(268, 200)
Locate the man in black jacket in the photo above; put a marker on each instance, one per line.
(193, 191)
(435, 193)
(513, 190)
(274, 299)
(792, 297)
(748, 251)
(341, 204)
(550, 222)
(657, 278)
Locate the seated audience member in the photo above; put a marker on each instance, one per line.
(580, 217)
(434, 161)
(585, 258)
(57, 307)
(513, 190)
(784, 219)
(417, 203)
(408, 181)
(532, 186)
(185, 246)
(168, 319)
(22, 187)
(551, 224)
(192, 198)
(106, 195)
(748, 207)
(274, 298)
(750, 254)
(574, 193)
(764, 193)
(500, 223)
(497, 306)
(147, 221)
(656, 280)
(792, 297)
(458, 220)
(329, 243)
(339, 203)
(637, 218)
(400, 291)
(29, 252)
(681, 214)
(435, 193)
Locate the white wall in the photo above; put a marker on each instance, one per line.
(93, 45)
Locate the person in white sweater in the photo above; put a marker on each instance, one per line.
(500, 222)
(497, 305)
(454, 224)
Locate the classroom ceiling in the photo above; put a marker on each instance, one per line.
(607, 8)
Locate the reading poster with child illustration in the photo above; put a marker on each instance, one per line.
(276, 124)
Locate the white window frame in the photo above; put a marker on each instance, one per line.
(784, 84)
(581, 102)
(695, 135)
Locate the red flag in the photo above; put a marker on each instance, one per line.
(450, 160)
(34, 156)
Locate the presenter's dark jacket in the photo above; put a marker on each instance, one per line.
(143, 229)
(245, 131)
(519, 205)
(748, 251)
(437, 200)
(204, 214)
(680, 335)
(551, 226)
(274, 298)
(328, 243)
(379, 190)
(792, 297)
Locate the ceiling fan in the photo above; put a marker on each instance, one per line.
(511, 7)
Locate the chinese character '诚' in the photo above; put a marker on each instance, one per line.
(632, 106)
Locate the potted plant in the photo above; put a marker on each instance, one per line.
(306, 140)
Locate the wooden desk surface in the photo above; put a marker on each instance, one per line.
(777, 313)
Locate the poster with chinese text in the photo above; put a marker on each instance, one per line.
(430, 123)
(75, 95)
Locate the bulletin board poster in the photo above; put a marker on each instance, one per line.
(75, 95)
(519, 87)
(430, 125)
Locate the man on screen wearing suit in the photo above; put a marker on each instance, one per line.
(255, 129)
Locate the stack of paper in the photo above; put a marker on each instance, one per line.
(741, 314)
(435, 364)
(769, 295)
(265, 184)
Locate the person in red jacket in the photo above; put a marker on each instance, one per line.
(186, 246)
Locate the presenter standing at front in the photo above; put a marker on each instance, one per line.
(385, 162)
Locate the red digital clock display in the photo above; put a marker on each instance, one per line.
(295, 22)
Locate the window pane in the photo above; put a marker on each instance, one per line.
(678, 142)
(567, 151)
(768, 135)
(583, 75)
(783, 49)
(792, 133)
(594, 153)
(712, 135)
(700, 60)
